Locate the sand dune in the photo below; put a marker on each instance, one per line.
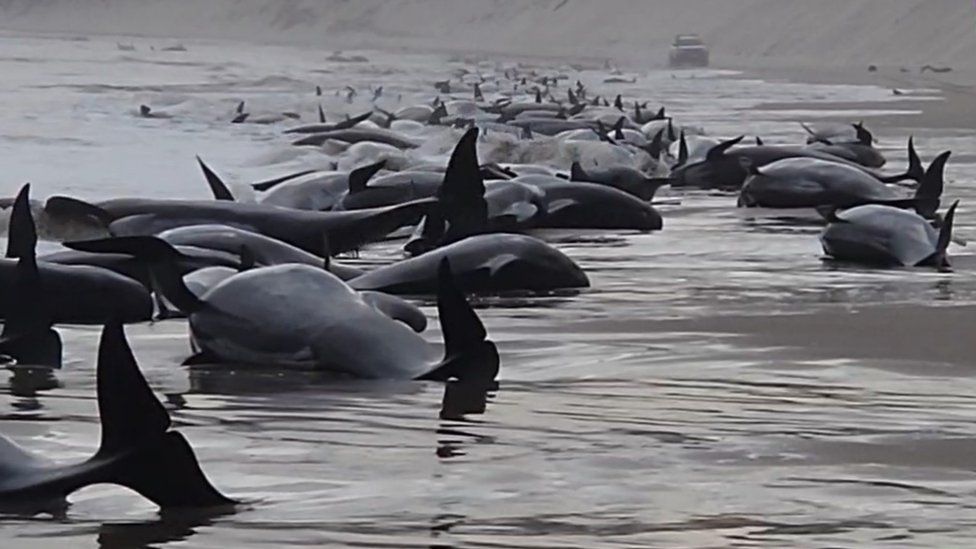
(773, 33)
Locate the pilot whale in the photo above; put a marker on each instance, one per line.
(305, 317)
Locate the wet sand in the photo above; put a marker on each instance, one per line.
(901, 333)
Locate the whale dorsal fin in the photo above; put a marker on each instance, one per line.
(468, 354)
(21, 232)
(618, 128)
(27, 335)
(217, 185)
(718, 150)
(945, 237)
(656, 145)
(682, 149)
(321, 115)
(129, 412)
(864, 136)
(462, 194)
(158, 464)
(577, 173)
(359, 178)
(248, 261)
(271, 183)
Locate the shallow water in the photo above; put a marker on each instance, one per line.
(602, 432)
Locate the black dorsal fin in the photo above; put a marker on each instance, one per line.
(21, 233)
(27, 335)
(538, 95)
(864, 137)
(468, 355)
(577, 173)
(660, 114)
(915, 170)
(945, 237)
(130, 413)
(321, 115)
(478, 96)
(933, 182)
(682, 149)
(271, 183)
(350, 122)
(671, 135)
(718, 150)
(240, 108)
(248, 260)
(462, 194)
(158, 464)
(618, 102)
(759, 141)
(217, 186)
(656, 146)
(359, 178)
(618, 128)
(573, 100)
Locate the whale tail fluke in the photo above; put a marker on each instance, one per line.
(217, 186)
(932, 183)
(915, 171)
(469, 356)
(156, 463)
(162, 260)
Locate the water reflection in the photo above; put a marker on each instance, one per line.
(26, 383)
(462, 399)
(171, 526)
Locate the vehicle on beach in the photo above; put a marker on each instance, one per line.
(688, 50)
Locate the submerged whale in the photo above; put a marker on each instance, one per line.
(484, 263)
(885, 236)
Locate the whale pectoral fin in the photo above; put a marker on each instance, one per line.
(499, 262)
(557, 206)
(396, 308)
(197, 359)
(520, 212)
(468, 355)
